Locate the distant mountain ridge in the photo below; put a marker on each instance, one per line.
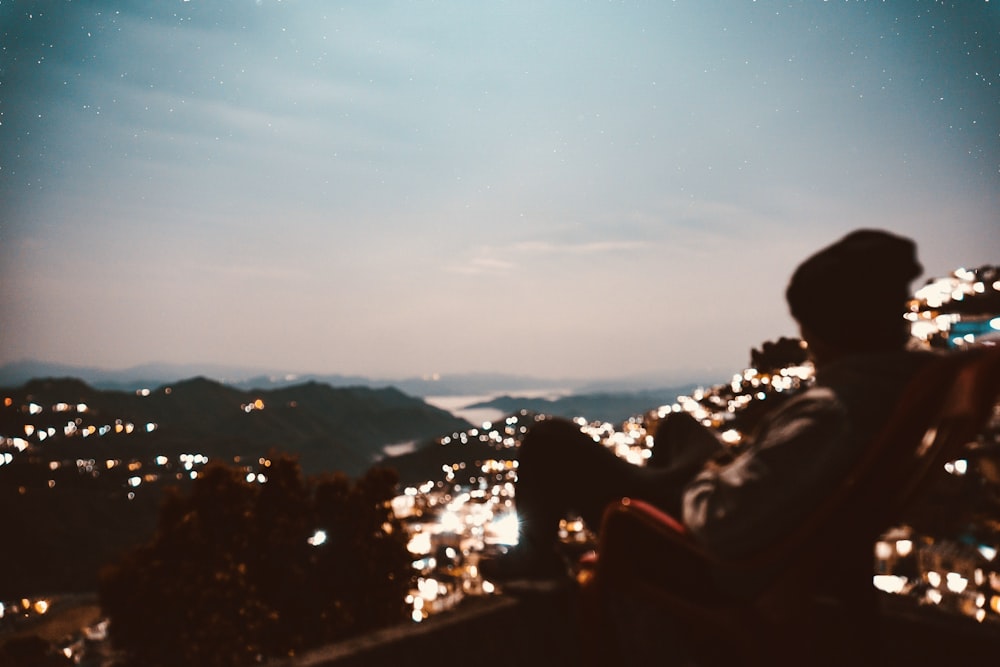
(155, 375)
(613, 407)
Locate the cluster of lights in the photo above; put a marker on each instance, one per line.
(25, 608)
(71, 647)
(714, 406)
(93, 468)
(962, 283)
(450, 526)
(632, 443)
(252, 406)
(506, 436)
(453, 521)
(932, 310)
(961, 578)
(71, 428)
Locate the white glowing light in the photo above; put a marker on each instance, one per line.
(419, 544)
(428, 589)
(318, 538)
(959, 467)
(889, 583)
(904, 547)
(450, 522)
(504, 529)
(956, 583)
(731, 437)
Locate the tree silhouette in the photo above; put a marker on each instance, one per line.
(234, 571)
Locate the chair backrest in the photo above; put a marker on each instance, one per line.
(941, 410)
(974, 395)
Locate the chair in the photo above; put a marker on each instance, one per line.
(815, 584)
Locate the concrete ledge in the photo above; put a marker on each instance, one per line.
(525, 627)
(538, 626)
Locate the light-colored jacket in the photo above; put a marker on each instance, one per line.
(798, 455)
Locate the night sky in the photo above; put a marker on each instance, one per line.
(561, 189)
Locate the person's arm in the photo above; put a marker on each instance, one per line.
(734, 508)
(683, 444)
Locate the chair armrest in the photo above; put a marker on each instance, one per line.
(642, 544)
(657, 518)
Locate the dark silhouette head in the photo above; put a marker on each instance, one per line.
(851, 295)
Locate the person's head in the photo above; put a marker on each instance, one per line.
(851, 295)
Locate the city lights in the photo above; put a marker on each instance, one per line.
(467, 510)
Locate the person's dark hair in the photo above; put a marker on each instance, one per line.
(853, 293)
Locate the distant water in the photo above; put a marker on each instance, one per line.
(400, 448)
(456, 405)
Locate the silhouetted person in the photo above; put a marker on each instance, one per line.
(849, 300)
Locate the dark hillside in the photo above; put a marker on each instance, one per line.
(331, 428)
(613, 407)
(82, 470)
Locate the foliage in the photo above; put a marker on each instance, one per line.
(230, 575)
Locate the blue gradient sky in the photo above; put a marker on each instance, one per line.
(394, 188)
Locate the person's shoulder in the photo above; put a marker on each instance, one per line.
(894, 365)
(818, 403)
